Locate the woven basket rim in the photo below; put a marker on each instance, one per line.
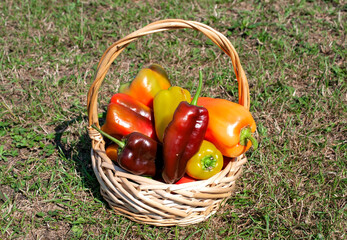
(146, 200)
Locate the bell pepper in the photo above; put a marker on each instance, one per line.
(137, 153)
(133, 104)
(206, 162)
(231, 126)
(164, 106)
(183, 137)
(126, 115)
(148, 82)
(112, 151)
(185, 179)
(227, 160)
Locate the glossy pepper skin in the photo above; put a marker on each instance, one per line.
(230, 127)
(185, 179)
(148, 82)
(138, 154)
(112, 151)
(133, 104)
(164, 106)
(183, 137)
(126, 115)
(207, 162)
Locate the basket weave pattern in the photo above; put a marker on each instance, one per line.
(149, 201)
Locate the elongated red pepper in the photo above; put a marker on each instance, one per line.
(183, 137)
(138, 153)
(126, 115)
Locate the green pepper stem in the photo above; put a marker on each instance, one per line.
(118, 142)
(245, 135)
(123, 87)
(208, 163)
(198, 91)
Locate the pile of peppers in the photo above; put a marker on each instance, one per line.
(159, 131)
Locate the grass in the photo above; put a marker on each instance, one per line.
(294, 55)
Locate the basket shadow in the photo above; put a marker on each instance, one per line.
(78, 153)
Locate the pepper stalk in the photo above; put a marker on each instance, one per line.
(198, 91)
(120, 143)
(245, 135)
(208, 163)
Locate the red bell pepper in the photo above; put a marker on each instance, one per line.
(126, 115)
(186, 179)
(133, 104)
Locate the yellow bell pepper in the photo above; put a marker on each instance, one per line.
(207, 162)
(164, 106)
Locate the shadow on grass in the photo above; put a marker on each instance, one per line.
(79, 154)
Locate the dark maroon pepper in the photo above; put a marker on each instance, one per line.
(138, 153)
(183, 137)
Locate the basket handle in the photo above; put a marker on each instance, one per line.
(164, 25)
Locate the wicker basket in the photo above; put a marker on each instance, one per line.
(149, 201)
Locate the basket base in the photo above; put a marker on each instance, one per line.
(144, 219)
(148, 201)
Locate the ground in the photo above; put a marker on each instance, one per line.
(294, 56)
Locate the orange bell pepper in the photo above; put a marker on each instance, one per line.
(112, 152)
(231, 126)
(148, 82)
